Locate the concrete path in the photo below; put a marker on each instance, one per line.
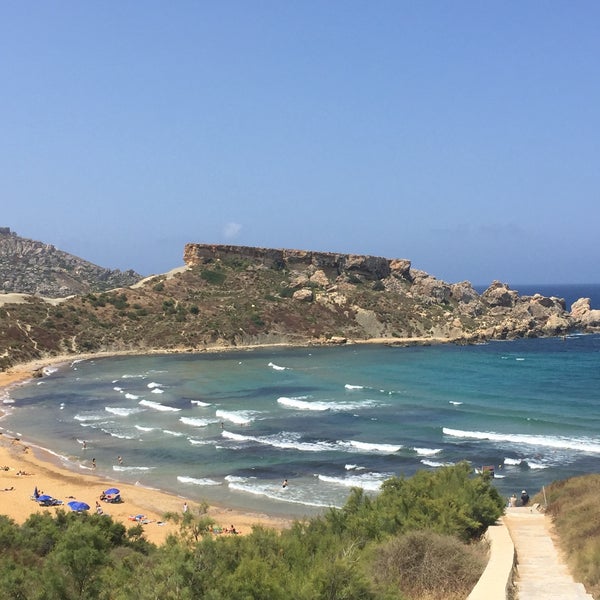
(540, 572)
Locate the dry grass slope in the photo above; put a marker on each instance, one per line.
(574, 505)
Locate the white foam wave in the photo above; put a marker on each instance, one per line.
(366, 481)
(369, 447)
(455, 402)
(276, 367)
(118, 389)
(201, 442)
(292, 441)
(536, 465)
(157, 391)
(141, 428)
(283, 440)
(564, 443)
(120, 411)
(348, 386)
(153, 385)
(274, 492)
(90, 417)
(196, 422)
(173, 433)
(122, 468)
(239, 417)
(199, 403)
(236, 479)
(118, 435)
(195, 481)
(427, 451)
(350, 467)
(131, 396)
(513, 461)
(435, 464)
(158, 406)
(298, 403)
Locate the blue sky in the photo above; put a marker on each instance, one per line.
(464, 136)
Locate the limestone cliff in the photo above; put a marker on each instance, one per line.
(443, 310)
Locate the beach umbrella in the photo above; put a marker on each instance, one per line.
(111, 491)
(44, 498)
(78, 506)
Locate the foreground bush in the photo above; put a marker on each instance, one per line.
(425, 564)
(412, 541)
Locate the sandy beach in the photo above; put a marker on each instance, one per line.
(16, 488)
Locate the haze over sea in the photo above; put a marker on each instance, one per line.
(229, 427)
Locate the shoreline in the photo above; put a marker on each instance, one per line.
(44, 472)
(17, 454)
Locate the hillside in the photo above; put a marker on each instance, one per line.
(230, 296)
(31, 267)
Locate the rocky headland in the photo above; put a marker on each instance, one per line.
(235, 296)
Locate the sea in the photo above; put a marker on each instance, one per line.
(230, 427)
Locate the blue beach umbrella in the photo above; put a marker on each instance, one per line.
(111, 491)
(44, 498)
(78, 506)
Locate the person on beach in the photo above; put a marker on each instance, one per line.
(93, 463)
(285, 483)
(524, 498)
(84, 445)
(185, 507)
(99, 510)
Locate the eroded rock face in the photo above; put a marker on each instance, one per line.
(500, 295)
(584, 315)
(330, 264)
(304, 295)
(428, 286)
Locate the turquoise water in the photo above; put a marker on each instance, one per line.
(230, 427)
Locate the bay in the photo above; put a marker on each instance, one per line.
(230, 427)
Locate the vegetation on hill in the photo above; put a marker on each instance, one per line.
(419, 538)
(574, 505)
(238, 302)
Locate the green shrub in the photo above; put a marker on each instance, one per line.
(213, 277)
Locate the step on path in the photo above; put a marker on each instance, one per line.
(540, 573)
